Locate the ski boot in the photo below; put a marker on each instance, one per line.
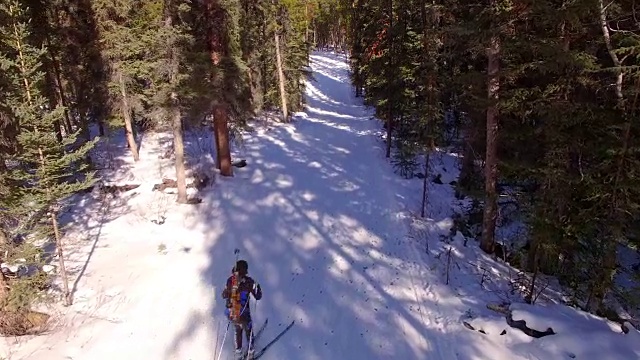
(250, 354)
(239, 354)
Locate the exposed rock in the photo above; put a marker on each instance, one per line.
(159, 221)
(240, 163)
(166, 183)
(200, 181)
(499, 308)
(194, 201)
(482, 331)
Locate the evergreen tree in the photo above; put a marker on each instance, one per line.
(125, 34)
(48, 170)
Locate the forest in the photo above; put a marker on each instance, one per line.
(539, 98)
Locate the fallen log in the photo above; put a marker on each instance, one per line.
(200, 181)
(521, 325)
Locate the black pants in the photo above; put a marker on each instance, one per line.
(244, 324)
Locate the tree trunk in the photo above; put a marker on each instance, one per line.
(425, 180)
(126, 114)
(4, 290)
(263, 63)
(218, 49)
(63, 271)
(606, 271)
(530, 296)
(62, 100)
(389, 129)
(178, 146)
(178, 138)
(53, 100)
(101, 128)
(281, 79)
(306, 22)
(221, 120)
(491, 163)
(216, 139)
(612, 52)
(390, 115)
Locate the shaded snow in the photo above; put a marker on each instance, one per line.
(329, 231)
(579, 335)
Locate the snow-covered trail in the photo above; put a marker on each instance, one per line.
(315, 213)
(316, 216)
(322, 220)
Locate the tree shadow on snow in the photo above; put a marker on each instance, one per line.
(87, 213)
(310, 214)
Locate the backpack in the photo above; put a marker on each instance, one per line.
(236, 305)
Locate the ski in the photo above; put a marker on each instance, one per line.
(258, 354)
(256, 336)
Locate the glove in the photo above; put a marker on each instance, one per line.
(257, 291)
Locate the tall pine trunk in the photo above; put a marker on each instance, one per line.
(178, 146)
(4, 243)
(221, 120)
(126, 114)
(216, 139)
(281, 78)
(176, 115)
(391, 79)
(306, 23)
(491, 161)
(605, 273)
(68, 300)
(53, 102)
(423, 207)
(57, 72)
(218, 50)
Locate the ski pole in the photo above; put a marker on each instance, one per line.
(217, 338)
(224, 338)
(255, 310)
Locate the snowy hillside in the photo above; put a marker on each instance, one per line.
(328, 230)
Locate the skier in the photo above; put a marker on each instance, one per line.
(236, 294)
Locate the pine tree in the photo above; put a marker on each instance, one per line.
(124, 37)
(169, 40)
(49, 171)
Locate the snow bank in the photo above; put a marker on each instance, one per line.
(578, 335)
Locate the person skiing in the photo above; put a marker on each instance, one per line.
(236, 293)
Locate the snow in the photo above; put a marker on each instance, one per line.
(331, 234)
(579, 335)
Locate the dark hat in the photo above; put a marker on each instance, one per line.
(242, 267)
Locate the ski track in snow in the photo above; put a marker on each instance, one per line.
(324, 224)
